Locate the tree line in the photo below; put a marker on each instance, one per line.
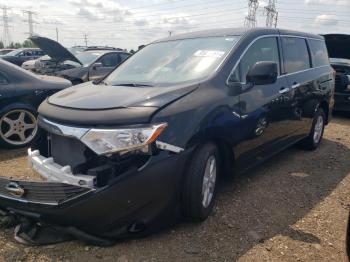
(15, 45)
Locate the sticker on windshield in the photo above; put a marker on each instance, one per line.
(209, 53)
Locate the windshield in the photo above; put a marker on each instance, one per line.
(340, 60)
(173, 61)
(76, 50)
(86, 58)
(14, 52)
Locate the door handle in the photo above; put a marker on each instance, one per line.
(284, 90)
(295, 85)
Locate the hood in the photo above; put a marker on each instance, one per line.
(53, 49)
(89, 96)
(53, 79)
(338, 45)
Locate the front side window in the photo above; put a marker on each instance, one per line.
(3, 79)
(110, 60)
(296, 54)
(28, 53)
(265, 49)
(174, 61)
(123, 57)
(86, 58)
(319, 53)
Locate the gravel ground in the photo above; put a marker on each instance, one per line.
(293, 208)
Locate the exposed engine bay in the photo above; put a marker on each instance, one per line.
(52, 66)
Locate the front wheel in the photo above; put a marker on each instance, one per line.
(201, 183)
(18, 128)
(316, 133)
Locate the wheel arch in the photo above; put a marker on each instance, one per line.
(325, 107)
(226, 151)
(18, 105)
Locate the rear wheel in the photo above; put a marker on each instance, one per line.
(316, 133)
(18, 128)
(201, 183)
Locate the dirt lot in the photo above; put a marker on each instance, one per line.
(294, 208)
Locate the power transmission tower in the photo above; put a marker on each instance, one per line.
(276, 20)
(30, 21)
(85, 39)
(271, 14)
(5, 20)
(250, 19)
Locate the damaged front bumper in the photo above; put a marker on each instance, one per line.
(138, 196)
(54, 172)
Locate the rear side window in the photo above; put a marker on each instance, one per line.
(296, 54)
(319, 53)
(265, 49)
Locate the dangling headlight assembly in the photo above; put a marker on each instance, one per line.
(107, 141)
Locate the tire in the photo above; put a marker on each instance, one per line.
(198, 200)
(18, 127)
(315, 137)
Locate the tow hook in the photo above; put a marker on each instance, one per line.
(14, 189)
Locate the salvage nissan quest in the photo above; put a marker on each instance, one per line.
(148, 143)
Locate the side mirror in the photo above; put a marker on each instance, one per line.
(234, 88)
(263, 73)
(96, 65)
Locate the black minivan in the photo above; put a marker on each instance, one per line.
(151, 139)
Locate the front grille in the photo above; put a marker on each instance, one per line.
(43, 192)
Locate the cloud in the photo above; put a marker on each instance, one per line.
(85, 12)
(326, 20)
(141, 22)
(327, 2)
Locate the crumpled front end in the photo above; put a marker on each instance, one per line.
(108, 195)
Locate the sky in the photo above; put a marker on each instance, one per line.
(130, 23)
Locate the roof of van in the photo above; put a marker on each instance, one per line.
(239, 31)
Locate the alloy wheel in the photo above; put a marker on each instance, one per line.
(318, 130)
(209, 181)
(18, 127)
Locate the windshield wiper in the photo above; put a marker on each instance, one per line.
(132, 84)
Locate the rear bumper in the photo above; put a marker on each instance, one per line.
(342, 101)
(137, 196)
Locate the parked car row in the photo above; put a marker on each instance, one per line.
(88, 64)
(149, 141)
(339, 52)
(19, 56)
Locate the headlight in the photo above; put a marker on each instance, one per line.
(106, 141)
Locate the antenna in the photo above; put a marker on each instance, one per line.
(5, 19)
(30, 21)
(271, 14)
(250, 19)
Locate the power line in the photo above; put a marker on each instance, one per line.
(271, 14)
(30, 21)
(250, 19)
(5, 20)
